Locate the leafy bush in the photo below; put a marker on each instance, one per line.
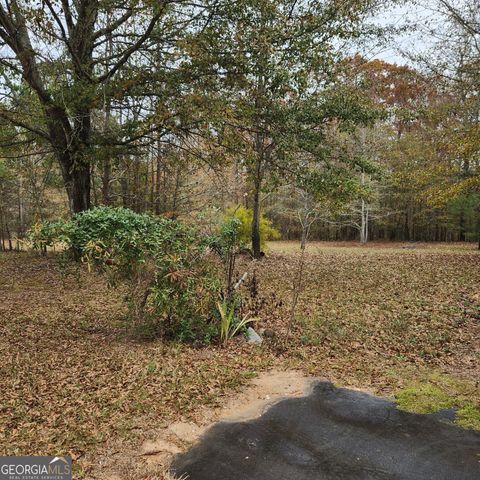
(49, 234)
(245, 217)
(172, 283)
(227, 244)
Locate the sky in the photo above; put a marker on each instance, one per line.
(409, 42)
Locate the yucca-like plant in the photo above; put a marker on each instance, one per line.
(228, 326)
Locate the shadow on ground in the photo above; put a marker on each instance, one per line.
(334, 434)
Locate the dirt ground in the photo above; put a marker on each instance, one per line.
(380, 318)
(153, 456)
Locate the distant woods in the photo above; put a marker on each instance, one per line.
(188, 110)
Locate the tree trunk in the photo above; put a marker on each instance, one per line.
(256, 241)
(261, 158)
(68, 128)
(21, 209)
(176, 191)
(407, 226)
(93, 176)
(107, 161)
(303, 241)
(136, 185)
(79, 188)
(158, 184)
(124, 184)
(478, 226)
(146, 194)
(9, 235)
(106, 180)
(152, 183)
(461, 226)
(363, 223)
(367, 213)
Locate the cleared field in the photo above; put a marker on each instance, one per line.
(382, 318)
(374, 247)
(416, 305)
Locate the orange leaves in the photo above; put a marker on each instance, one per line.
(181, 275)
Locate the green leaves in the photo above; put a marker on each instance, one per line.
(229, 324)
(243, 219)
(171, 283)
(276, 72)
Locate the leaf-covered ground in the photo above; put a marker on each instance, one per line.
(382, 318)
(410, 306)
(386, 318)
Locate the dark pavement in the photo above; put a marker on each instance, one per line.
(334, 434)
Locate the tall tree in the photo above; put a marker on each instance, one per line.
(276, 64)
(456, 33)
(77, 56)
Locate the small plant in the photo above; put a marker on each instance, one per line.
(229, 326)
(227, 244)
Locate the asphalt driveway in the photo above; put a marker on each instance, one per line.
(334, 434)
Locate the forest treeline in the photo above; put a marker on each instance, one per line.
(187, 109)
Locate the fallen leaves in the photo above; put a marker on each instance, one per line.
(417, 307)
(69, 376)
(71, 379)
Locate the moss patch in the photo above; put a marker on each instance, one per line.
(469, 417)
(437, 392)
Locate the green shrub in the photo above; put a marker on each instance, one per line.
(227, 244)
(171, 281)
(245, 217)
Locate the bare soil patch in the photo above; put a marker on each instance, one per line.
(155, 454)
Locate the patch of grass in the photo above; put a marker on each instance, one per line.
(437, 392)
(424, 398)
(469, 417)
